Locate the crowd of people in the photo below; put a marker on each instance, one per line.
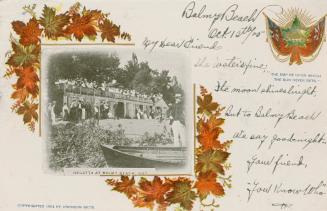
(105, 89)
(77, 111)
(80, 110)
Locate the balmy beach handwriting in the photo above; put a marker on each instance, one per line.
(236, 26)
(262, 112)
(244, 30)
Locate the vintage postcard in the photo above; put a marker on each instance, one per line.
(163, 105)
(113, 110)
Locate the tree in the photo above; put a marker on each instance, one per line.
(127, 74)
(96, 68)
(143, 80)
(103, 68)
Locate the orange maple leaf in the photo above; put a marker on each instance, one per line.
(28, 79)
(126, 186)
(29, 110)
(155, 190)
(215, 122)
(20, 95)
(29, 33)
(140, 202)
(207, 183)
(208, 137)
(109, 30)
(206, 105)
(84, 25)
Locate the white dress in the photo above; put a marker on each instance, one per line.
(178, 133)
(53, 115)
(83, 114)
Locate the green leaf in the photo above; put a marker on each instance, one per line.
(182, 194)
(23, 56)
(212, 160)
(53, 24)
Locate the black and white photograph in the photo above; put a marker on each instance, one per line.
(115, 108)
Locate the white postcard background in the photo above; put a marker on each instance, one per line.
(22, 179)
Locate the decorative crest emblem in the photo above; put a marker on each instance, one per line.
(295, 36)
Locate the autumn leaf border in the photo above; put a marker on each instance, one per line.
(23, 64)
(211, 164)
(23, 60)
